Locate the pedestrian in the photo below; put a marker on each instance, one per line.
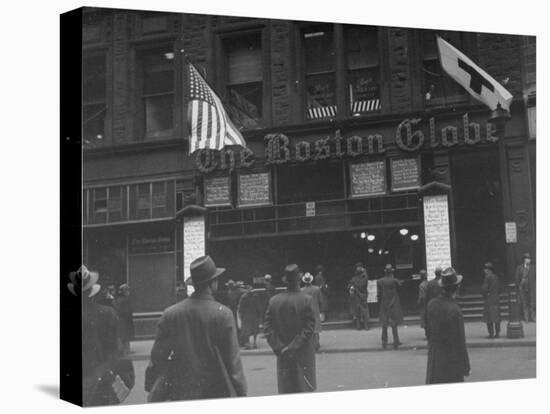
(125, 314)
(100, 341)
(433, 290)
(315, 293)
(359, 285)
(106, 297)
(289, 327)
(181, 291)
(447, 354)
(197, 341)
(250, 311)
(232, 298)
(527, 290)
(390, 306)
(491, 297)
(421, 301)
(319, 280)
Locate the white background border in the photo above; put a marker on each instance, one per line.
(30, 206)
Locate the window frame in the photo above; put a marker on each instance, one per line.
(343, 106)
(221, 81)
(99, 54)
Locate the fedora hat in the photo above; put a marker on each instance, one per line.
(84, 281)
(268, 277)
(230, 283)
(204, 270)
(449, 278)
(292, 271)
(389, 269)
(307, 278)
(526, 255)
(488, 265)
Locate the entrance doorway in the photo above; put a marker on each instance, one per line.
(479, 220)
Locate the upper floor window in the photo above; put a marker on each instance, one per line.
(439, 88)
(244, 79)
(329, 82)
(157, 89)
(94, 87)
(363, 66)
(320, 71)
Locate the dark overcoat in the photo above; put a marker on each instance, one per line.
(530, 281)
(250, 312)
(124, 311)
(422, 290)
(100, 348)
(315, 293)
(388, 298)
(447, 354)
(290, 322)
(491, 295)
(319, 280)
(193, 329)
(358, 301)
(232, 298)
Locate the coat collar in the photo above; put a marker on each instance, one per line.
(202, 295)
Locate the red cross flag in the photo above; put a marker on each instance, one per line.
(475, 80)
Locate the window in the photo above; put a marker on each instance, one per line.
(439, 88)
(244, 83)
(363, 69)
(320, 71)
(158, 92)
(301, 183)
(100, 205)
(160, 201)
(116, 203)
(93, 99)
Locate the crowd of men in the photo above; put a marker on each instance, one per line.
(196, 353)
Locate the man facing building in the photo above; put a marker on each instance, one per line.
(198, 336)
(289, 327)
(526, 282)
(390, 306)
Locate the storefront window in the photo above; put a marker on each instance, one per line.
(320, 71)
(158, 91)
(245, 79)
(363, 68)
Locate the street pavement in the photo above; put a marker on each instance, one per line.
(343, 371)
(347, 360)
(350, 340)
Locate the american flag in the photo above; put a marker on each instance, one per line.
(210, 125)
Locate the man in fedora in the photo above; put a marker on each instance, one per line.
(315, 292)
(447, 354)
(359, 292)
(100, 340)
(199, 338)
(390, 306)
(491, 300)
(526, 283)
(289, 327)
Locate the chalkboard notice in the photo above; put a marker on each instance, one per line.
(437, 233)
(368, 178)
(254, 189)
(217, 192)
(405, 174)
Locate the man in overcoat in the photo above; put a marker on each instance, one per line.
(289, 327)
(315, 293)
(421, 301)
(433, 290)
(526, 282)
(250, 312)
(491, 298)
(125, 314)
(390, 306)
(319, 280)
(447, 354)
(198, 336)
(359, 284)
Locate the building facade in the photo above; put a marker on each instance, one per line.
(347, 129)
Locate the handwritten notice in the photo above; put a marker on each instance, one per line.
(405, 174)
(436, 227)
(368, 178)
(217, 192)
(372, 292)
(511, 232)
(193, 242)
(254, 189)
(310, 209)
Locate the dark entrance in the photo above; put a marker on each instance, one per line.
(479, 221)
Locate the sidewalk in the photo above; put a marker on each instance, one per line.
(350, 340)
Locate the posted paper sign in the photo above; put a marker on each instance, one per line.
(438, 238)
(193, 242)
(511, 232)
